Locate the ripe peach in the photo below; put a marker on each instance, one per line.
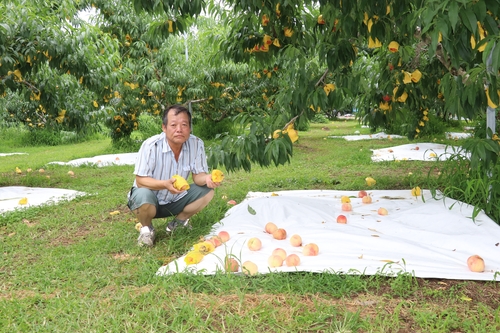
(249, 268)
(224, 236)
(231, 265)
(367, 199)
(310, 249)
(346, 207)
(362, 194)
(475, 263)
(292, 260)
(342, 219)
(279, 234)
(254, 244)
(382, 211)
(270, 227)
(296, 240)
(345, 199)
(280, 252)
(215, 240)
(275, 261)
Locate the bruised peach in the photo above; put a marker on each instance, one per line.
(292, 260)
(296, 240)
(475, 263)
(254, 244)
(215, 240)
(270, 227)
(279, 234)
(310, 249)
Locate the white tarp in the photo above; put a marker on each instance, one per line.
(416, 151)
(357, 137)
(430, 239)
(10, 154)
(11, 195)
(103, 160)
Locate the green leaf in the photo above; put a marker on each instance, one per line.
(453, 14)
(251, 210)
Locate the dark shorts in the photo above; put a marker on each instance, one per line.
(140, 196)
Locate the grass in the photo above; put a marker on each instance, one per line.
(73, 267)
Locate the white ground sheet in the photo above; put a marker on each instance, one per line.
(103, 160)
(8, 154)
(357, 137)
(415, 151)
(430, 239)
(11, 195)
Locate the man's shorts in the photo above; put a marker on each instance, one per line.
(139, 196)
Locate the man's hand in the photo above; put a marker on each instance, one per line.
(210, 183)
(170, 186)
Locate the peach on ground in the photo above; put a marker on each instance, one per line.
(280, 252)
(231, 265)
(215, 240)
(345, 199)
(275, 261)
(224, 236)
(292, 260)
(475, 263)
(249, 268)
(346, 207)
(382, 211)
(270, 227)
(342, 219)
(279, 234)
(362, 194)
(310, 249)
(254, 244)
(296, 240)
(366, 199)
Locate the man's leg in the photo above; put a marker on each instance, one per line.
(143, 202)
(195, 206)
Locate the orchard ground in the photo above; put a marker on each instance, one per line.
(76, 267)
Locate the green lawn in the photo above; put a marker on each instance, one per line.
(73, 267)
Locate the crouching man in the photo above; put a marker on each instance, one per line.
(173, 152)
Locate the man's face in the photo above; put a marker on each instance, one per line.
(177, 129)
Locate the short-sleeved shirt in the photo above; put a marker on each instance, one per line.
(156, 159)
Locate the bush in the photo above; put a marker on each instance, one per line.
(320, 118)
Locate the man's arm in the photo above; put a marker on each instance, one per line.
(202, 179)
(156, 184)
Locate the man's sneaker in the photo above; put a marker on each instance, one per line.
(177, 224)
(146, 237)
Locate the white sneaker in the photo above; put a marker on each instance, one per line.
(146, 237)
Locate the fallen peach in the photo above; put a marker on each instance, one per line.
(215, 240)
(475, 263)
(254, 244)
(249, 268)
(310, 249)
(366, 199)
(362, 193)
(280, 252)
(279, 234)
(224, 236)
(292, 260)
(270, 227)
(345, 199)
(231, 265)
(296, 240)
(346, 207)
(275, 261)
(382, 211)
(342, 219)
